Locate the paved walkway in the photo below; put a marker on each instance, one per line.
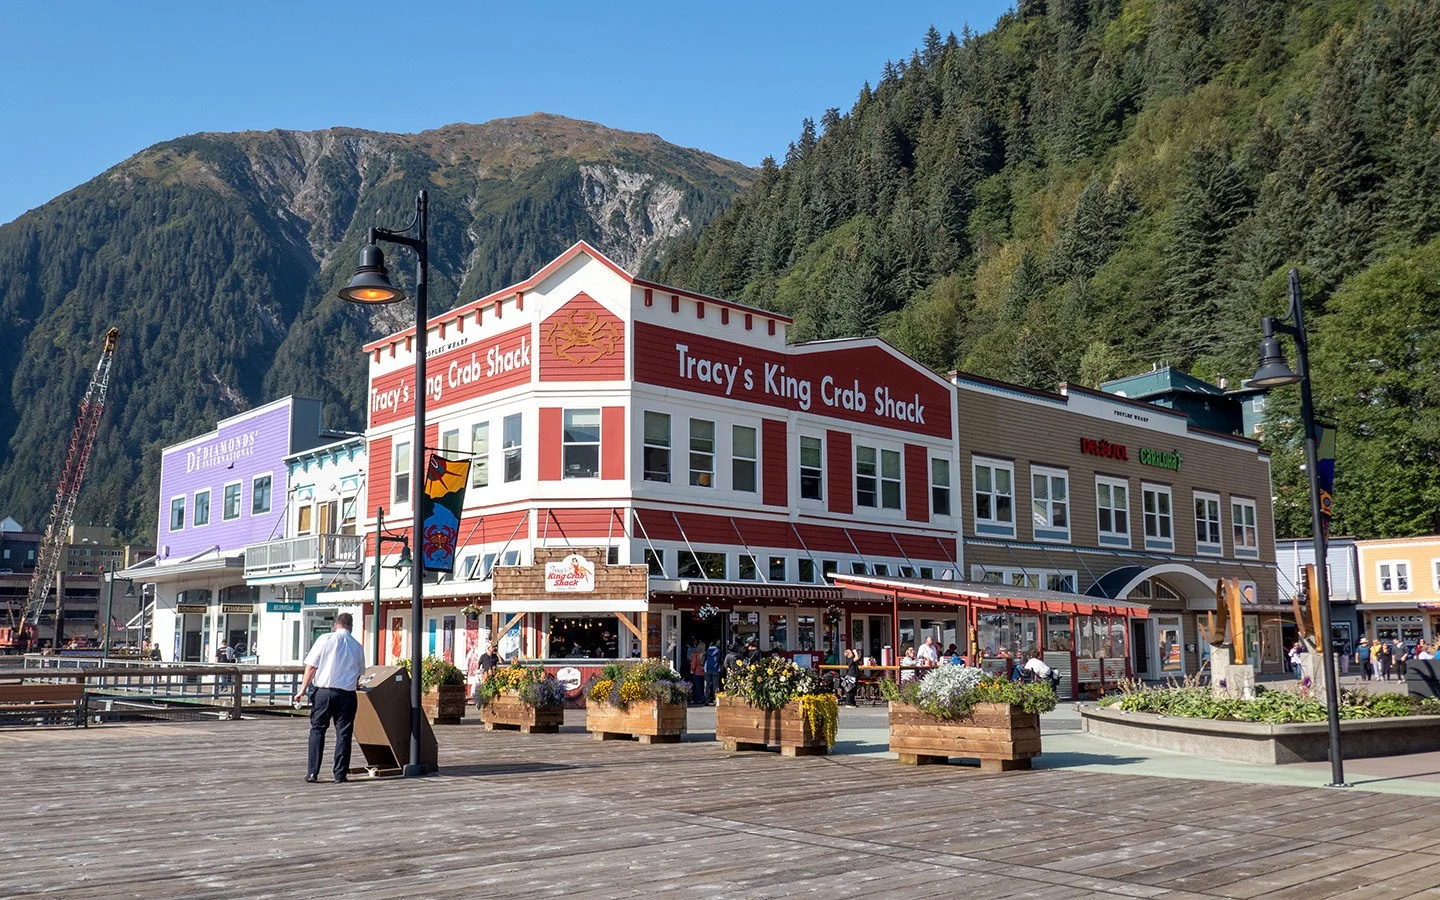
(219, 810)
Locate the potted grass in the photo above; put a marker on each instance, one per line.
(775, 702)
(442, 690)
(961, 711)
(523, 698)
(645, 700)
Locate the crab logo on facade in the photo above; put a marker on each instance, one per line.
(583, 337)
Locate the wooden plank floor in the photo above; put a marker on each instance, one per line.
(220, 810)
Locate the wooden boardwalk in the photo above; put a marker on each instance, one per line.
(220, 810)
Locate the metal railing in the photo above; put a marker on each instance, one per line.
(311, 553)
(168, 691)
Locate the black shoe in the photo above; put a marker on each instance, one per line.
(311, 779)
(341, 779)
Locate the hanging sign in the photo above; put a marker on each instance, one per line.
(197, 609)
(241, 609)
(573, 574)
(281, 606)
(444, 497)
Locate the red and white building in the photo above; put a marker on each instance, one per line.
(678, 431)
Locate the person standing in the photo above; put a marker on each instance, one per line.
(334, 666)
(1297, 653)
(697, 673)
(929, 653)
(1362, 658)
(852, 675)
(1400, 654)
(712, 672)
(1381, 659)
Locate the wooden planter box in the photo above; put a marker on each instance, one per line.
(507, 711)
(740, 726)
(649, 721)
(444, 704)
(999, 735)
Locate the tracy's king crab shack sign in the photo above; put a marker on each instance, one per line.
(573, 574)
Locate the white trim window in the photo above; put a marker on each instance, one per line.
(1243, 528)
(202, 508)
(1207, 524)
(450, 441)
(400, 474)
(304, 517)
(867, 477)
(512, 437)
(231, 509)
(994, 496)
(702, 453)
(1435, 570)
(1112, 511)
(580, 444)
(1157, 509)
(1393, 576)
(480, 455)
(939, 486)
(890, 492)
(744, 456)
(260, 489)
(1050, 503)
(177, 513)
(812, 468)
(656, 451)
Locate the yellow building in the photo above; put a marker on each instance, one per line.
(1400, 588)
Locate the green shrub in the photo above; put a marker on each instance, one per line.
(435, 670)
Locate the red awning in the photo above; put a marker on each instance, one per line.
(785, 592)
(989, 596)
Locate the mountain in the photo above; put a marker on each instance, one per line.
(218, 256)
(1096, 186)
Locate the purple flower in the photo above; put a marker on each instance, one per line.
(1305, 682)
(1222, 684)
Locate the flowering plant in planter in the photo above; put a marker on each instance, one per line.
(621, 684)
(434, 670)
(771, 683)
(533, 687)
(951, 692)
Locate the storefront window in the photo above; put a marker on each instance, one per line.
(747, 568)
(777, 568)
(655, 561)
(805, 632)
(1057, 633)
(907, 634)
(745, 626)
(584, 637)
(780, 632)
(701, 565)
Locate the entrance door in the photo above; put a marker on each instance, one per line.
(1169, 645)
(1140, 649)
(878, 637)
(328, 513)
(670, 636)
(191, 649)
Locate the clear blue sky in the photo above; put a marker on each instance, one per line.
(90, 83)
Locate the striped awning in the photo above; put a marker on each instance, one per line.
(746, 591)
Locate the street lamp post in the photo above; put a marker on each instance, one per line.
(109, 607)
(371, 285)
(404, 562)
(1275, 372)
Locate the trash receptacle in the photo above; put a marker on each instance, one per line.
(382, 723)
(1422, 677)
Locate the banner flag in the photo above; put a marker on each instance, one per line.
(444, 498)
(1325, 473)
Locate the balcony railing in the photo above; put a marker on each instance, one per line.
(325, 553)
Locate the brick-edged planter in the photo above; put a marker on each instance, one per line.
(740, 726)
(444, 704)
(1001, 736)
(507, 710)
(650, 721)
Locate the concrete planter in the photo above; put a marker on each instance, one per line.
(740, 726)
(1255, 742)
(508, 711)
(650, 721)
(1001, 736)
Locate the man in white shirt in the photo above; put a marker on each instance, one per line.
(1037, 667)
(334, 666)
(929, 653)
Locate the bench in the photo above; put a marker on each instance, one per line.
(43, 704)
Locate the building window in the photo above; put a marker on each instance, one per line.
(859, 568)
(232, 502)
(939, 486)
(450, 441)
(612, 555)
(480, 455)
(807, 570)
(702, 453)
(882, 570)
(1394, 576)
(510, 436)
(1050, 503)
(867, 481)
(890, 479)
(177, 514)
(743, 456)
(1159, 521)
(202, 508)
(1112, 505)
(994, 497)
(1243, 529)
(655, 562)
(777, 568)
(581, 442)
(828, 568)
(700, 564)
(1207, 524)
(657, 447)
(400, 469)
(748, 570)
(1435, 564)
(349, 506)
(303, 518)
(260, 495)
(812, 469)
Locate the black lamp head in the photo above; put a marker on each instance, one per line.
(129, 590)
(1274, 371)
(371, 282)
(404, 562)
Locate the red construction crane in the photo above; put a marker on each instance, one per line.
(62, 514)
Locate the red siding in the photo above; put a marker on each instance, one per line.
(582, 341)
(917, 483)
(612, 442)
(495, 528)
(377, 483)
(774, 454)
(483, 366)
(661, 525)
(837, 472)
(552, 420)
(579, 523)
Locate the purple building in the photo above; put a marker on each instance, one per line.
(220, 491)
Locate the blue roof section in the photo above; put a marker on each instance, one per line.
(1159, 382)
